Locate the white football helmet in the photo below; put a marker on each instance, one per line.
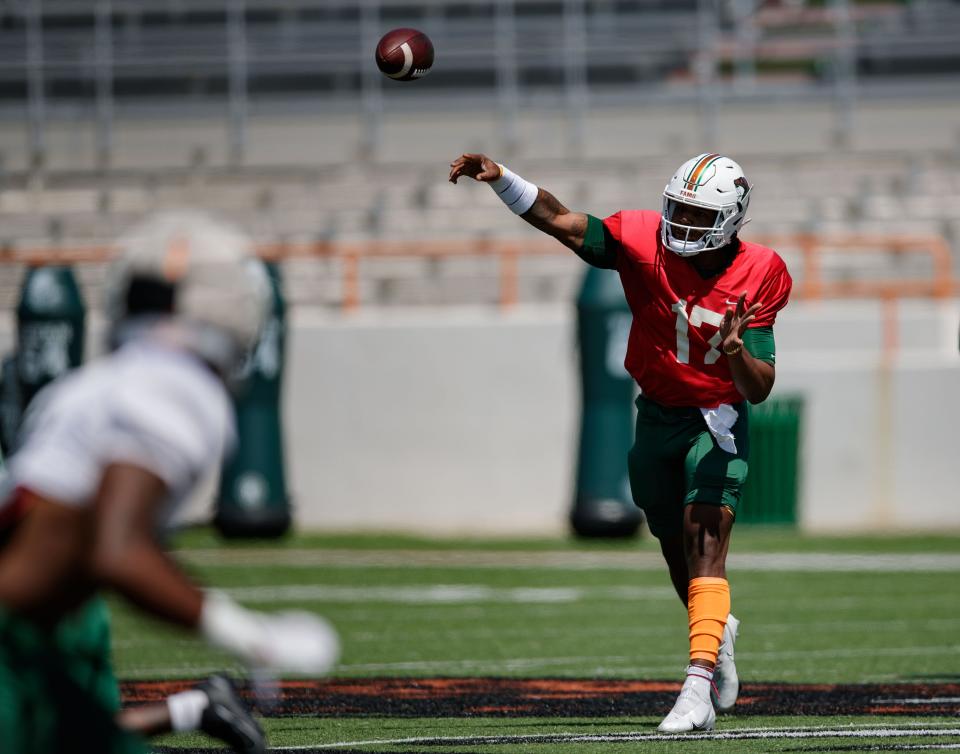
(191, 281)
(710, 182)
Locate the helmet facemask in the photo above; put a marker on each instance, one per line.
(690, 238)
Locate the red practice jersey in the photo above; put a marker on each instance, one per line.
(674, 347)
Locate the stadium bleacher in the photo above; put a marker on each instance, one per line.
(326, 152)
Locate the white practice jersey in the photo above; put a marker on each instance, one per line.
(146, 405)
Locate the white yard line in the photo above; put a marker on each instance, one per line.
(639, 632)
(451, 594)
(532, 663)
(135, 674)
(931, 700)
(600, 666)
(349, 558)
(845, 563)
(531, 597)
(800, 654)
(506, 664)
(855, 625)
(571, 561)
(723, 735)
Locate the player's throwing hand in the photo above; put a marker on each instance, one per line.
(476, 166)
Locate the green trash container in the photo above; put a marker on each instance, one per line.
(253, 500)
(602, 503)
(772, 489)
(51, 318)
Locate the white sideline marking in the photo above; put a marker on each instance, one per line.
(855, 625)
(513, 663)
(852, 652)
(616, 661)
(137, 673)
(601, 666)
(932, 700)
(647, 631)
(570, 561)
(449, 594)
(728, 735)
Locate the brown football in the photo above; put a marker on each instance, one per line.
(405, 54)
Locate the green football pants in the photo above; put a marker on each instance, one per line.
(675, 461)
(57, 688)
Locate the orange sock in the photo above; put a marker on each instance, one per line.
(708, 604)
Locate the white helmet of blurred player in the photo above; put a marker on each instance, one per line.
(711, 183)
(192, 281)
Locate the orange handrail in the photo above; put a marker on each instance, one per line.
(941, 284)
(811, 283)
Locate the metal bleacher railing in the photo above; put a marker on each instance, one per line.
(98, 61)
(95, 58)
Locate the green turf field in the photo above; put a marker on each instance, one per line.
(554, 646)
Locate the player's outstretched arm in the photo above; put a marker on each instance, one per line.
(127, 557)
(125, 554)
(536, 205)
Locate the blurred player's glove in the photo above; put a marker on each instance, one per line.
(293, 642)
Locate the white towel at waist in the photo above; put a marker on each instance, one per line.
(720, 421)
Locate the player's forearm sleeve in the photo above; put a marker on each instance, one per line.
(759, 342)
(599, 247)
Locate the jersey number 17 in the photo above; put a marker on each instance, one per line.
(697, 316)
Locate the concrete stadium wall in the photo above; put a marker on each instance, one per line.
(464, 421)
(455, 421)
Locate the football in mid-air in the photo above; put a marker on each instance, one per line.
(405, 54)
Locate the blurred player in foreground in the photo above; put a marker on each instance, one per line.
(108, 453)
(701, 345)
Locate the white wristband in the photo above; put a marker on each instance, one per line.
(186, 709)
(227, 625)
(517, 193)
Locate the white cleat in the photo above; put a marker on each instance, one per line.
(725, 674)
(693, 710)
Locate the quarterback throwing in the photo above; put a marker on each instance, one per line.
(701, 345)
